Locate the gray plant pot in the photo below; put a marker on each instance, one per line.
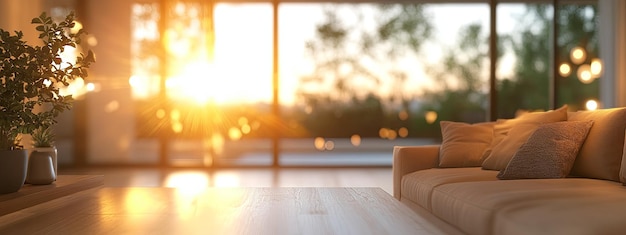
(40, 168)
(13, 166)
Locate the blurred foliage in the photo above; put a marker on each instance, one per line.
(529, 87)
(357, 89)
(462, 92)
(343, 95)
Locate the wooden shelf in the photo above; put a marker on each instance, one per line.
(31, 195)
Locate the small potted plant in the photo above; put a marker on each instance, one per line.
(31, 77)
(43, 137)
(43, 144)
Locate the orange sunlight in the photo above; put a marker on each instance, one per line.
(220, 82)
(196, 83)
(204, 69)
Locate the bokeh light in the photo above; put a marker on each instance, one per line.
(591, 105)
(383, 133)
(584, 74)
(234, 133)
(565, 70)
(329, 145)
(319, 143)
(403, 132)
(596, 67)
(578, 55)
(403, 115)
(160, 114)
(355, 140)
(431, 117)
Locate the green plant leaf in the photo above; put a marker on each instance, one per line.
(26, 102)
(36, 21)
(91, 57)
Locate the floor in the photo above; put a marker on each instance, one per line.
(246, 177)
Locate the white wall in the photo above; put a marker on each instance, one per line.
(15, 15)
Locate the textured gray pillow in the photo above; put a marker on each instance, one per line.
(549, 152)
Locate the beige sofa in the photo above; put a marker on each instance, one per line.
(469, 198)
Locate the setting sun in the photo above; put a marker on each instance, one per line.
(219, 82)
(223, 66)
(197, 82)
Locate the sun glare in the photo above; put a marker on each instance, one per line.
(197, 83)
(219, 82)
(204, 69)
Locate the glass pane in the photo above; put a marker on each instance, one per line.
(218, 84)
(523, 72)
(145, 46)
(357, 79)
(243, 86)
(579, 65)
(525, 65)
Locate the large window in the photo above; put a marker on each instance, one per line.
(201, 84)
(357, 79)
(578, 60)
(217, 83)
(526, 65)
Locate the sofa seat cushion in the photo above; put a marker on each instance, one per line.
(496, 206)
(418, 186)
(594, 211)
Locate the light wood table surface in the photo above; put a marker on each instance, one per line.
(219, 211)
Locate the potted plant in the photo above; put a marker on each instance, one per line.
(30, 98)
(43, 147)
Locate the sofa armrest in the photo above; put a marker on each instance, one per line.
(407, 159)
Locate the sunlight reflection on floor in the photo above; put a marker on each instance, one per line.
(195, 180)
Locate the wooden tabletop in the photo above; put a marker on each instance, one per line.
(218, 211)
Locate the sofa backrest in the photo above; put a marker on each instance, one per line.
(601, 154)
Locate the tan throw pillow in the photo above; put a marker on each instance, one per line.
(549, 152)
(497, 156)
(502, 126)
(600, 156)
(463, 144)
(502, 153)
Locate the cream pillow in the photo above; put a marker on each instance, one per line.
(502, 153)
(549, 152)
(600, 156)
(463, 145)
(497, 156)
